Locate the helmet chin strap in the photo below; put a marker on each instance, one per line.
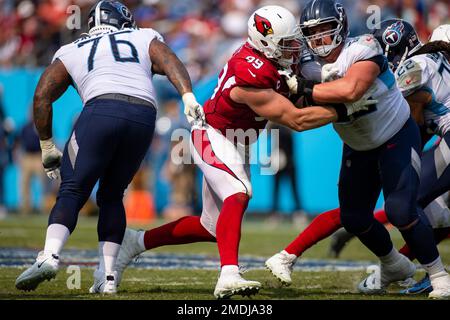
(103, 28)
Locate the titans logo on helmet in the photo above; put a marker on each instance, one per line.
(263, 25)
(125, 12)
(393, 34)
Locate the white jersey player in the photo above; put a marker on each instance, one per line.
(112, 70)
(381, 145)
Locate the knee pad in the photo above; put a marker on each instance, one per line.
(401, 208)
(356, 223)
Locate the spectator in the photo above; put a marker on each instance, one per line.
(30, 165)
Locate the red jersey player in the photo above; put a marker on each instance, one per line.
(249, 92)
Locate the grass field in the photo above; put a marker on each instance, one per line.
(259, 239)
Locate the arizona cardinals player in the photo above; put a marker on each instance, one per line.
(249, 92)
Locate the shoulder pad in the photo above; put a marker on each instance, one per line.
(369, 41)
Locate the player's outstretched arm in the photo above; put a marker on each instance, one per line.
(273, 106)
(165, 62)
(352, 87)
(53, 83)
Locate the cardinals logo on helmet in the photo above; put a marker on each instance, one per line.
(393, 33)
(263, 25)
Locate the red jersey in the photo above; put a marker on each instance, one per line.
(246, 68)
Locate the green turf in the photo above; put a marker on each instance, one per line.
(258, 238)
(192, 284)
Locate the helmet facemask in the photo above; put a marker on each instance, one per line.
(317, 40)
(287, 49)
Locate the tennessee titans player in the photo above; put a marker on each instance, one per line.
(111, 67)
(381, 145)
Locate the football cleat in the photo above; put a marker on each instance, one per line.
(129, 250)
(423, 286)
(104, 283)
(233, 284)
(400, 270)
(280, 265)
(45, 268)
(338, 241)
(441, 286)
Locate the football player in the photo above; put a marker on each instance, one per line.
(437, 211)
(111, 67)
(249, 92)
(381, 146)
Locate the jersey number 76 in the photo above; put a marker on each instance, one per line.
(114, 48)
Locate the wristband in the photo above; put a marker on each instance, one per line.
(341, 111)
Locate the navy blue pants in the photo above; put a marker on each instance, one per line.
(394, 168)
(435, 175)
(108, 144)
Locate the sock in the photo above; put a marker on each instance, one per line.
(229, 228)
(184, 230)
(107, 253)
(381, 216)
(435, 268)
(420, 240)
(377, 239)
(391, 257)
(57, 235)
(406, 251)
(320, 228)
(229, 270)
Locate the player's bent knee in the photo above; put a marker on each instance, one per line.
(356, 223)
(400, 211)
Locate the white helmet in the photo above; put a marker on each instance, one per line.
(441, 33)
(274, 31)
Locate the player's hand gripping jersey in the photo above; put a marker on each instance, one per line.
(116, 62)
(246, 68)
(373, 127)
(431, 73)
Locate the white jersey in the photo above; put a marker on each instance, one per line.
(114, 62)
(370, 129)
(431, 73)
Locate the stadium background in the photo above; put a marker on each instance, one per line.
(203, 33)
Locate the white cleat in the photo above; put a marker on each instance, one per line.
(376, 283)
(441, 286)
(280, 265)
(230, 285)
(104, 283)
(129, 250)
(45, 268)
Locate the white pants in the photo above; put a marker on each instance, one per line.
(226, 171)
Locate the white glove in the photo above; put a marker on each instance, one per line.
(291, 80)
(193, 110)
(51, 158)
(363, 103)
(329, 72)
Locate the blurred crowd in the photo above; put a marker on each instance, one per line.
(203, 33)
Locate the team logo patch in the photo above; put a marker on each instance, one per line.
(125, 12)
(393, 34)
(263, 25)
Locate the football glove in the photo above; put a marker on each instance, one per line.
(297, 85)
(51, 158)
(193, 110)
(329, 72)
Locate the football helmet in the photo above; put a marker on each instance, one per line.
(109, 15)
(273, 30)
(320, 13)
(441, 33)
(398, 39)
